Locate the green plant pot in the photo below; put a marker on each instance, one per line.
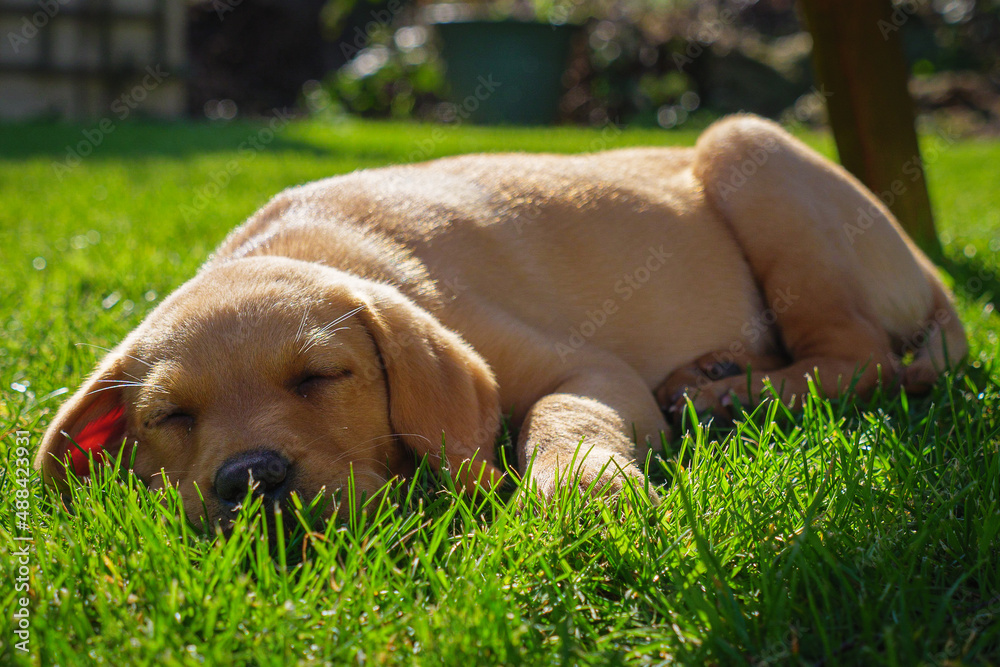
(505, 72)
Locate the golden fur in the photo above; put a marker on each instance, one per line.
(354, 321)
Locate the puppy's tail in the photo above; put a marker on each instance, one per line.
(938, 346)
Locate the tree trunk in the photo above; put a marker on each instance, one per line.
(858, 57)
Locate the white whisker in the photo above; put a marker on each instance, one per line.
(302, 325)
(346, 315)
(117, 384)
(327, 330)
(108, 349)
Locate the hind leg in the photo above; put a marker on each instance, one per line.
(835, 289)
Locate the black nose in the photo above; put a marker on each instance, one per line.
(268, 469)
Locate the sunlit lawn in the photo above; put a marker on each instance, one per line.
(851, 534)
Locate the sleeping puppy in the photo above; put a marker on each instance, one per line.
(359, 322)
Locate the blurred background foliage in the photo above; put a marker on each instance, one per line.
(660, 63)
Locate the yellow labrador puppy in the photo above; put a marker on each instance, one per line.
(363, 320)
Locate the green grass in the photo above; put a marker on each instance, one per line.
(849, 534)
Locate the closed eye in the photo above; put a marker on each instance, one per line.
(176, 419)
(311, 383)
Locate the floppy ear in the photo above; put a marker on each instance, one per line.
(92, 421)
(438, 385)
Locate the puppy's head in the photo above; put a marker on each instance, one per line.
(286, 372)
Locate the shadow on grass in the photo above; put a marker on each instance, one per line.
(366, 142)
(141, 139)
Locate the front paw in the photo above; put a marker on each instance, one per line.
(598, 475)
